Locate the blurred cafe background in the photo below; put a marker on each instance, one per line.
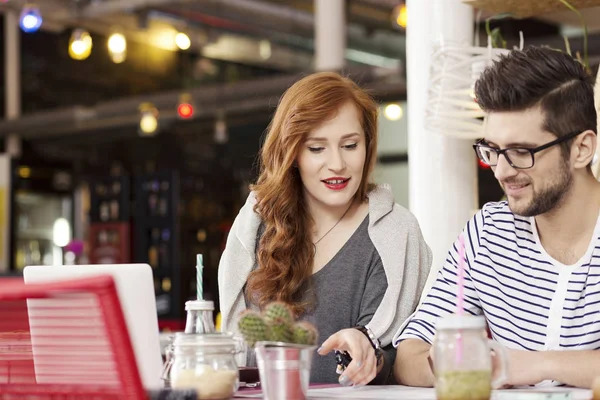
(129, 129)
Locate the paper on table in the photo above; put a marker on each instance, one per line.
(374, 392)
(413, 393)
(547, 393)
(365, 392)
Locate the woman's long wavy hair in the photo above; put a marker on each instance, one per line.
(285, 251)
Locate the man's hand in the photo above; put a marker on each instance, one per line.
(532, 367)
(412, 367)
(523, 367)
(363, 367)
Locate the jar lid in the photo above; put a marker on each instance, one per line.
(223, 341)
(455, 321)
(199, 305)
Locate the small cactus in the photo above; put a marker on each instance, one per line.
(305, 333)
(277, 323)
(253, 327)
(281, 332)
(280, 319)
(278, 313)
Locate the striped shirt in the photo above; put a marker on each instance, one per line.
(530, 300)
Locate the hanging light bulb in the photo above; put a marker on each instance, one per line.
(80, 45)
(182, 41)
(148, 120)
(393, 112)
(400, 15)
(221, 136)
(117, 47)
(61, 232)
(264, 49)
(185, 108)
(30, 19)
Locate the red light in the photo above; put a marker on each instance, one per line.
(483, 165)
(185, 110)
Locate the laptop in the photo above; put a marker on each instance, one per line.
(135, 287)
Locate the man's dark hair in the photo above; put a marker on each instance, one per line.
(540, 76)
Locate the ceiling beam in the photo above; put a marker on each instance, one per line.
(237, 99)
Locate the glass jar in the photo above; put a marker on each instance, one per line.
(205, 362)
(462, 358)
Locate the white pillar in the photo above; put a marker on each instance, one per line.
(330, 35)
(442, 170)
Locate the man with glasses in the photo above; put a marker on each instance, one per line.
(533, 262)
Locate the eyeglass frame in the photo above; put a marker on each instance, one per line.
(500, 152)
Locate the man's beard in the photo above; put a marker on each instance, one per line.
(549, 197)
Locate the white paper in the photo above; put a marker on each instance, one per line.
(373, 392)
(365, 392)
(413, 393)
(546, 393)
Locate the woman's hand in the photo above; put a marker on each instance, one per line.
(363, 367)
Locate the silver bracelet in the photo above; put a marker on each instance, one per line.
(369, 333)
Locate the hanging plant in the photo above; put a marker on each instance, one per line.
(498, 40)
(494, 34)
(585, 60)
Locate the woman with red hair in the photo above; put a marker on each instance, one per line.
(317, 234)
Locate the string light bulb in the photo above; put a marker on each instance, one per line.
(30, 19)
(400, 15)
(221, 135)
(149, 124)
(117, 47)
(393, 112)
(264, 49)
(80, 45)
(185, 108)
(182, 41)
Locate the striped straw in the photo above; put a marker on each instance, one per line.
(460, 295)
(199, 283)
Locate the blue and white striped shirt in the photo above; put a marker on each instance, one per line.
(530, 300)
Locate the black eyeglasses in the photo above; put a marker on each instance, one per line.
(517, 157)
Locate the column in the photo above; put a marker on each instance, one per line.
(442, 170)
(12, 79)
(12, 76)
(330, 35)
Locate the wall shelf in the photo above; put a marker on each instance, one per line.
(528, 8)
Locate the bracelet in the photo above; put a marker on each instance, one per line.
(374, 342)
(369, 334)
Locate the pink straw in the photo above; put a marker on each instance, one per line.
(461, 276)
(460, 295)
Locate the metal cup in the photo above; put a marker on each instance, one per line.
(284, 369)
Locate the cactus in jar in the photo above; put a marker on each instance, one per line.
(253, 327)
(278, 313)
(305, 333)
(277, 323)
(280, 319)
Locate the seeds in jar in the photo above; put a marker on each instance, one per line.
(209, 383)
(463, 385)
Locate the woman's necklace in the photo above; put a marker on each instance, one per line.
(330, 229)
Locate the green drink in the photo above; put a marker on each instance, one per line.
(464, 385)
